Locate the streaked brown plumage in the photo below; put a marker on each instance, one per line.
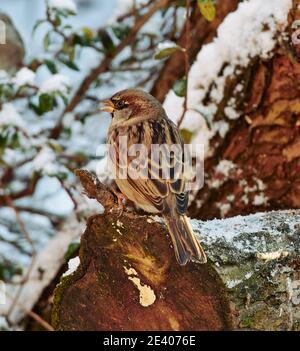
(141, 118)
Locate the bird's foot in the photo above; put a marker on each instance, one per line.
(121, 204)
(121, 200)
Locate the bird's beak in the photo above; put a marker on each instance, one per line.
(107, 106)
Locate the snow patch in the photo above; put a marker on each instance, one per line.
(224, 209)
(251, 31)
(24, 76)
(224, 167)
(10, 116)
(73, 264)
(44, 161)
(68, 5)
(88, 205)
(260, 200)
(56, 83)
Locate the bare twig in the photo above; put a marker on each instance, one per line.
(96, 190)
(27, 191)
(20, 223)
(28, 239)
(31, 314)
(133, 11)
(69, 192)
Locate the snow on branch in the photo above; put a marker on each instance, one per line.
(251, 31)
(68, 5)
(261, 236)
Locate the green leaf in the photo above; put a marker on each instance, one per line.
(186, 135)
(46, 102)
(38, 23)
(8, 270)
(47, 41)
(51, 66)
(3, 142)
(88, 33)
(70, 64)
(54, 145)
(15, 141)
(121, 32)
(35, 108)
(180, 87)
(208, 9)
(64, 98)
(57, 21)
(181, 3)
(72, 250)
(81, 40)
(106, 40)
(166, 49)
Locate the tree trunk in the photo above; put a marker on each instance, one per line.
(128, 278)
(263, 144)
(202, 33)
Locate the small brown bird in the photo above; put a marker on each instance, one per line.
(12, 49)
(141, 118)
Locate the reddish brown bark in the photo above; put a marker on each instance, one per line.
(264, 143)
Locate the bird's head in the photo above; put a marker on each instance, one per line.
(132, 103)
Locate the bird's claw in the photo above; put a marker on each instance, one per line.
(121, 204)
(121, 201)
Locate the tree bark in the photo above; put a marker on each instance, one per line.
(263, 144)
(128, 278)
(202, 32)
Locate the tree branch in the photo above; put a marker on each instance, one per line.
(105, 65)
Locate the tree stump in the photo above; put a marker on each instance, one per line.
(128, 279)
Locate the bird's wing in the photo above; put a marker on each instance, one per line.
(164, 168)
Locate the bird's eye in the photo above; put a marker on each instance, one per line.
(120, 104)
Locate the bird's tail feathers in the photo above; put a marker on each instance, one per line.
(186, 246)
